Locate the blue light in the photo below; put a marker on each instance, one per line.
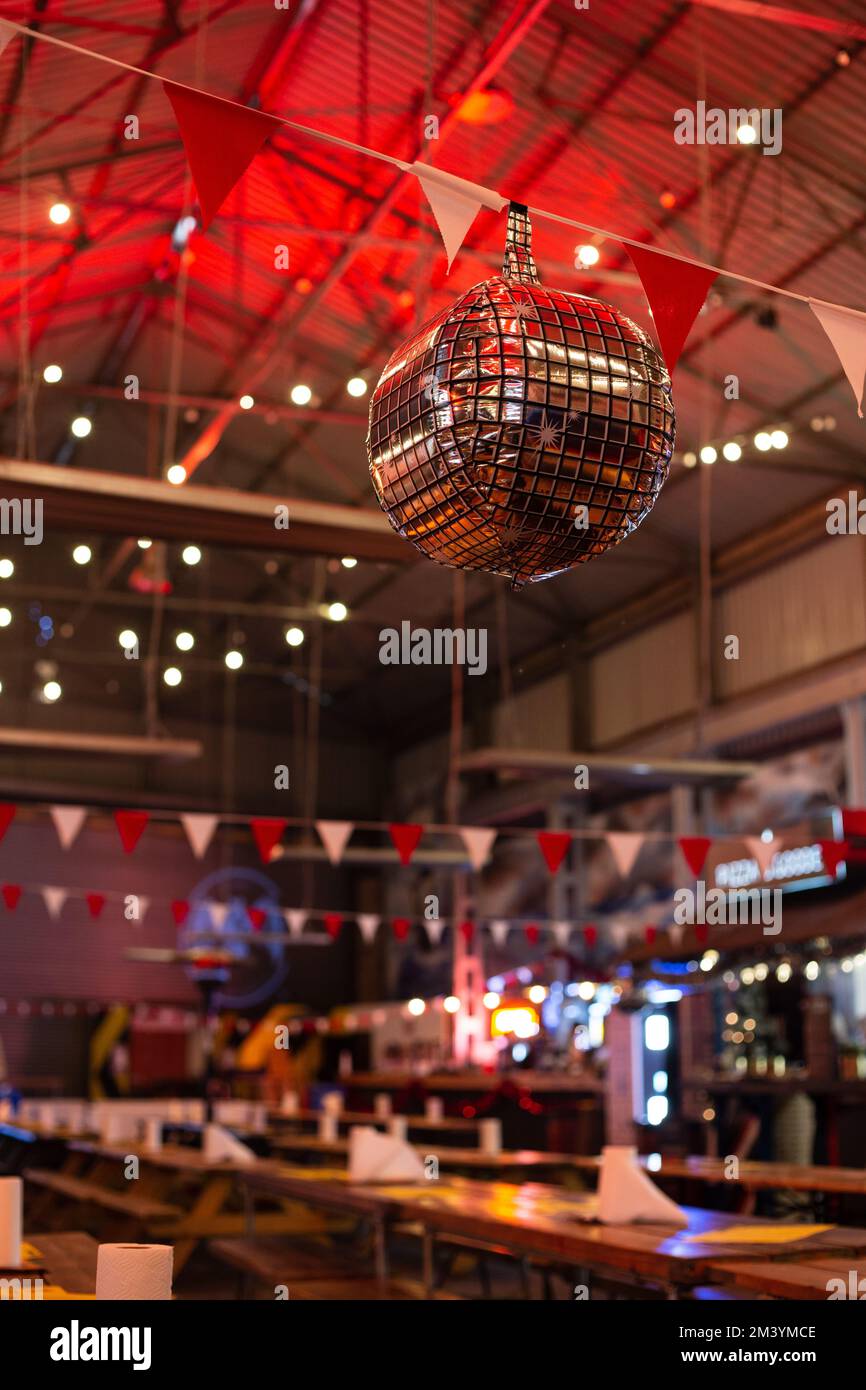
(519, 1052)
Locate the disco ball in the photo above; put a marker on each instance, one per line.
(523, 430)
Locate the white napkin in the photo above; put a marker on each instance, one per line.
(626, 1194)
(290, 1103)
(375, 1157)
(219, 1145)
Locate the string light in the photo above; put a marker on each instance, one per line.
(451, 1005)
(337, 612)
(51, 691)
(176, 474)
(294, 636)
(7, 569)
(246, 402)
(184, 641)
(689, 459)
(52, 373)
(82, 555)
(732, 452)
(588, 255)
(348, 562)
(746, 134)
(144, 543)
(128, 639)
(779, 439)
(234, 660)
(191, 555)
(172, 676)
(356, 386)
(301, 394)
(416, 1007)
(708, 454)
(59, 213)
(81, 426)
(5, 617)
(763, 441)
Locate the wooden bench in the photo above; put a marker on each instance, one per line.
(311, 1274)
(142, 1209)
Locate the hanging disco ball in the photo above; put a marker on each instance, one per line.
(523, 430)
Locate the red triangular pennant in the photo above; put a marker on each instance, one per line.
(702, 932)
(400, 928)
(258, 916)
(406, 839)
(220, 139)
(650, 934)
(11, 893)
(554, 846)
(7, 815)
(130, 825)
(95, 903)
(675, 292)
(532, 934)
(333, 923)
(180, 911)
(695, 849)
(467, 931)
(833, 853)
(267, 834)
(590, 935)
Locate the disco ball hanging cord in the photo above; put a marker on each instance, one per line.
(523, 430)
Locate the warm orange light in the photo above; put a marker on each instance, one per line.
(487, 107)
(519, 1020)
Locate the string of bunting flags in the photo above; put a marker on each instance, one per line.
(221, 137)
(478, 841)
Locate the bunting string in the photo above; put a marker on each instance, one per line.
(452, 199)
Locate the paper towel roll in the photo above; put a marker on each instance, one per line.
(328, 1128)
(433, 1108)
(398, 1126)
(10, 1222)
(382, 1104)
(153, 1132)
(490, 1136)
(290, 1103)
(332, 1102)
(125, 1272)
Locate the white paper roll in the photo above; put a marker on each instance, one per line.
(490, 1136)
(328, 1128)
(10, 1222)
(125, 1272)
(398, 1126)
(290, 1103)
(382, 1104)
(433, 1108)
(332, 1102)
(153, 1132)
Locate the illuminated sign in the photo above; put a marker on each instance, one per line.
(800, 867)
(518, 1020)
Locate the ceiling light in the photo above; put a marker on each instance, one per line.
(127, 639)
(191, 555)
(588, 255)
(5, 617)
(294, 636)
(817, 422)
(59, 213)
(689, 460)
(763, 441)
(234, 660)
(81, 426)
(348, 562)
(184, 641)
(451, 1005)
(812, 970)
(176, 474)
(356, 386)
(82, 555)
(52, 373)
(746, 134)
(416, 1007)
(51, 691)
(337, 612)
(708, 454)
(301, 395)
(732, 452)
(491, 1000)
(246, 402)
(144, 543)
(829, 422)
(778, 439)
(7, 569)
(172, 676)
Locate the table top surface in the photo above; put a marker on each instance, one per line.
(550, 1220)
(448, 1157)
(447, 1124)
(66, 1258)
(800, 1177)
(177, 1156)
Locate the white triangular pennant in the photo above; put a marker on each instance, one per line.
(499, 931)
(762, 851)
(675, 932)
(68, 820)
(435, 927)
(7, 34)
(625, 848)
(479, 842)
(143, 905)
(296, 920)
(561, 933)
(619, 935)
(199, 831)
(218, 913)
(334, 835)
(846, 329)
(368, 925)
(54, 898)
(455, 203)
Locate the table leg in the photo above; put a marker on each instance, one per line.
(428, 1246)
(380, 1248)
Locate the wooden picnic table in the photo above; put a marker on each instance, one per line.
(534, 1219)
(63, 1259)
(796, 1176)
(447, 1125)
(505, 1160)
(792, 1280)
